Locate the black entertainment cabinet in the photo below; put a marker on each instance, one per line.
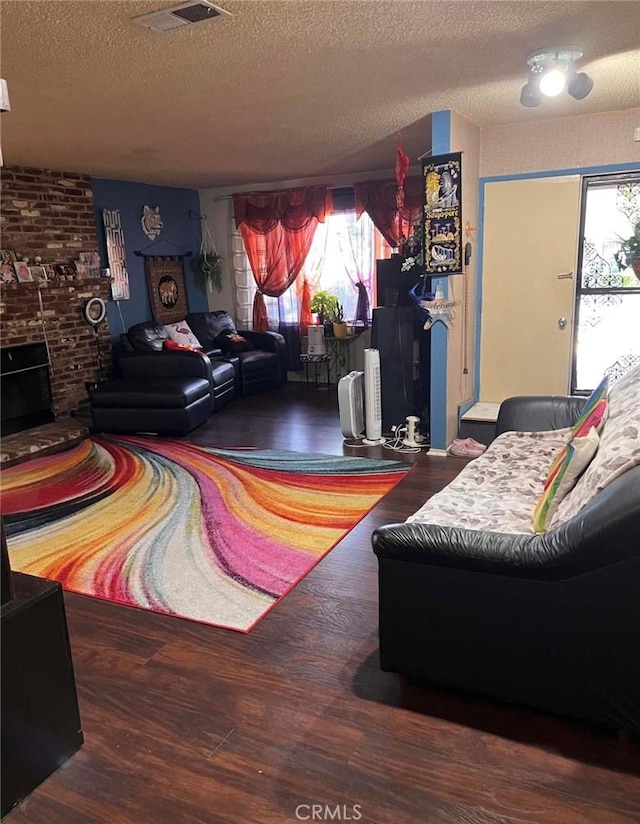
(404, 346)
(41, 725)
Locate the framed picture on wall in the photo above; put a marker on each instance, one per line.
(442, 241)
(38, 272)
(167, 290)
(22, 271)
(8, 259)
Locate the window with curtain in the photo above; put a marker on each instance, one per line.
(343, 255)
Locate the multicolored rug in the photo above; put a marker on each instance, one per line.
(213, 535)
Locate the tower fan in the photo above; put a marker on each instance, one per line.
(350, 394)
(372, 397)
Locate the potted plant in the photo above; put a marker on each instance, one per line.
(340, 328)
(207, 269)
(629, 252)
(325, 306)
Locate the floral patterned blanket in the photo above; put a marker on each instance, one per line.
(498, 491)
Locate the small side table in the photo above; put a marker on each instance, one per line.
(315, 360)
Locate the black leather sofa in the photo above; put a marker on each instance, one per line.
(549, 620)
(145, 357)
(262, 367)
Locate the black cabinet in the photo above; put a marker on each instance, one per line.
(404, 345)
(41, 725)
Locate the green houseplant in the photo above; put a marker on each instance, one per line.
(324, 306)
(207, 269)
(340, 329)
(629, 252)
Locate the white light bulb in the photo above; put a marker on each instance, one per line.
(553, 82)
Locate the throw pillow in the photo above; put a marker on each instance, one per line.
(563, 475)
(181, 333)
(171, 344)
(233, 342)
(595, 418)
(598, 394)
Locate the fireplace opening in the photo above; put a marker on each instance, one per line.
(25, 388)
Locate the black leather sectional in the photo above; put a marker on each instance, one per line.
(172, 391)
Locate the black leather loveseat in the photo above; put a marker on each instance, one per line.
(259, 365)
(549, 620)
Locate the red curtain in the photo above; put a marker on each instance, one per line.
(378, 199)
(294, 209)
(277, 229)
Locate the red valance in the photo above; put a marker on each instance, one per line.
(293, 209)
(378, 199)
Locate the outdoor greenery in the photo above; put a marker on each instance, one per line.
(629, 250)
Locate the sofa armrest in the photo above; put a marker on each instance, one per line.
(604, 533)
(169, 364)
(269, 342)
(538, 413)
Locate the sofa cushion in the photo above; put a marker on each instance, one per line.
(233, 342)
(180, 332)
(599, 394)
(147, 336)
(595, 419)
(185, 347)
(207, 326)
(563, 475)
(619, 448)
(497, 491)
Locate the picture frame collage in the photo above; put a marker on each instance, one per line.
(13, 270)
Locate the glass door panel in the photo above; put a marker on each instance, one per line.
(608, 292)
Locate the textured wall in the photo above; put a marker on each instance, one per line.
(560, 143)
(47, 213)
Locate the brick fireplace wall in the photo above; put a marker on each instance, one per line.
(71, 342)
(50, 214)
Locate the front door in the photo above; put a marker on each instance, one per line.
(529, 259)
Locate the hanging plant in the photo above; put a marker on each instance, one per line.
(207, 266)
(207, 269)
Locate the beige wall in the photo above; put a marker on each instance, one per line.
(465, 138)
(560, 143)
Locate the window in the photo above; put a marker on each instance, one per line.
(607, 296)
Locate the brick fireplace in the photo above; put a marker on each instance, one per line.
(49, 214)
(51, 313)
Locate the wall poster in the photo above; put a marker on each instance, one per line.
(442, 241)
(116, 254)
(167, 291)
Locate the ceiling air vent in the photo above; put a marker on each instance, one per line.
(184, 14)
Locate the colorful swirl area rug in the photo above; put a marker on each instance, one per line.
(212, 535)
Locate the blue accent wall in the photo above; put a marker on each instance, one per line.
(129, 199)
(440, 144)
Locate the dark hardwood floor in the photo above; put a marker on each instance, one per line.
(189, 723)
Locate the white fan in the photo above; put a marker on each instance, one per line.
(372, 397)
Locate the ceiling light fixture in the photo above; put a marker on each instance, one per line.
(551, 71)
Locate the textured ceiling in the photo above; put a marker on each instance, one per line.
(284, 89)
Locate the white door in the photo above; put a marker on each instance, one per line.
(529, 257)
